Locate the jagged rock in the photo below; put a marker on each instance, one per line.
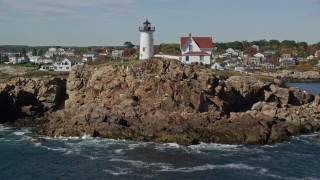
(163, 101)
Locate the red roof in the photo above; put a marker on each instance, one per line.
(202, 42)
(196, 53)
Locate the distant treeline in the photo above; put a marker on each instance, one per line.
(281, 47)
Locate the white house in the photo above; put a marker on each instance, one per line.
(47, 68)
(16, 58)
(217, 66)
(230, 51)
(259, 55)
(252, 62)
(317, 54)
(225, 55)
(256, 47)
(117, 54)
(44, 60)
(267, 64)
(196, 49)
(89, 56)
(67, 63)
(64, 65)
(34, 59)
(286, 62)
(311, 57)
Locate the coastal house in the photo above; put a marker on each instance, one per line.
(256, 47)
(33, 59)
(300, 59)
(51, 52)
(196, 49)
(267, 64)
(89, 56)
(232, 52)
(269, 52)
(284, 62)
(252, 62)
(44, 60)
(286, 56)
(217, 66)
(259, 55)
(64, 65)
(317, 54)
(311, 57)
(69, 53)
(225, 55)
(17, 58)
(117, 54)
(233, 64)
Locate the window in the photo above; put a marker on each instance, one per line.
(202, 58)
(67, 67)
(190, 47)
(187, 58)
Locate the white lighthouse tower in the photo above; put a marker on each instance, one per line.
(146, 40)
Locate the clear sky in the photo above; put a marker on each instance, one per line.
(112, 22)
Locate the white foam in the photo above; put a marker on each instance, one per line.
(121, 171)
(19, 133)
(214, 146)
(4, 128)
(132, 162)
(85, 136)
(57, 149)
(209, 167)
(37, 144)
(141, 164)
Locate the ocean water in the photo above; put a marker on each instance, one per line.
(92, 158)
(313, 88)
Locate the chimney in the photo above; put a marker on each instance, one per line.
(190, 35)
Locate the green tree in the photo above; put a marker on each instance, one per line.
(34, 52)
(23, 51)
(288, 43)
(221, 46)
(40, 52)
(170, 49)
(128, 44)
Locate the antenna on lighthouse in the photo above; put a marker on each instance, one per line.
(146, 40)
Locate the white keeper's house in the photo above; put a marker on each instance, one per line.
(196, 49)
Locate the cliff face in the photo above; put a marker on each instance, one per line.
(30, 97)
(165, 101)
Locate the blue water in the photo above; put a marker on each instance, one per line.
(91, 158)
(312, 88)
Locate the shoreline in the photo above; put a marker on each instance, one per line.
(162, 101)
(300, 80)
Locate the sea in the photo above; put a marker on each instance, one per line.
(24, 156)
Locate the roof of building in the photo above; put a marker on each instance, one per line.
(75, 59)
(202, 42)
(196, 53)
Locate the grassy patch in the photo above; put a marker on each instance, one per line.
(228, 73)
(38, 73)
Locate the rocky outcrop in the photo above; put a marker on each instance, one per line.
(295, 76)
(165, 101)
(30, 97)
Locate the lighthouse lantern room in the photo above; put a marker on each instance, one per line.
(146, 40)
